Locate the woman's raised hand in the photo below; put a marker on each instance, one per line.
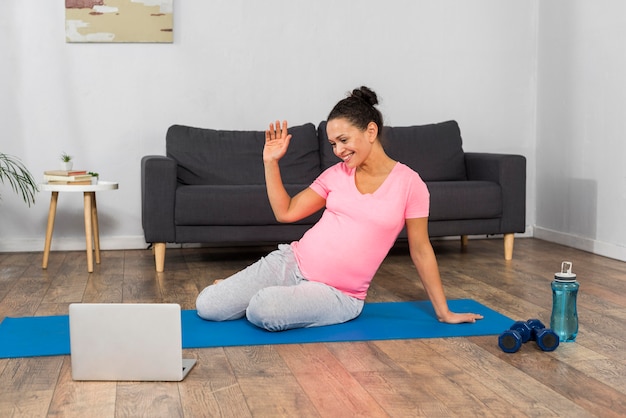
(276, 142)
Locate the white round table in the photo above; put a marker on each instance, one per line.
(92, 234)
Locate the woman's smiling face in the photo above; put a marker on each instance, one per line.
(349, 143)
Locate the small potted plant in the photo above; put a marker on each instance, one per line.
(94, 177)
(66, 161)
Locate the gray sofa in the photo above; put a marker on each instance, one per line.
(209, 188)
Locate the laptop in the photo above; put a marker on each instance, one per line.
(127, 341)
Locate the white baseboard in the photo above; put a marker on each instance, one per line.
(138, 242)
(582, 243)
(72, 244)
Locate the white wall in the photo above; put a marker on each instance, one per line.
(581, 131)
(238, 65)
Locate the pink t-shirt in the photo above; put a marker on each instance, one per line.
(348, 244)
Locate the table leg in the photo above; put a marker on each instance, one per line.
(51, 214)
(94, 224)
(88, 231)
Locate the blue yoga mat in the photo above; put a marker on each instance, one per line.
(49, 335)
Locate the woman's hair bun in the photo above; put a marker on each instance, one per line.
(359, 108)
(365, 94)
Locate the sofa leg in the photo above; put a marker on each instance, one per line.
(508, 246)
(464, 241)
(159, 256)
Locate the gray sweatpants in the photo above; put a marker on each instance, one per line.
(273, 295)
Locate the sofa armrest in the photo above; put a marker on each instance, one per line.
(158, 195)
(509, 171)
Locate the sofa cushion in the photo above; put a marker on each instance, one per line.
(207, 156)
(435, 151)
(327, 156)
(228, 205)
(456, 200)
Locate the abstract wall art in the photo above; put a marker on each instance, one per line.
(119, 21)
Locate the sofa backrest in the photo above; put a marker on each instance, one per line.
(207, 156)
(327, 156)
(435, 151)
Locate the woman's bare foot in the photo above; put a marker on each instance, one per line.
(217, 281)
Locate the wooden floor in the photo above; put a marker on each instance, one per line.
(456, 377)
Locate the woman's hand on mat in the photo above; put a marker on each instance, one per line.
(459, 318)
(276, 142)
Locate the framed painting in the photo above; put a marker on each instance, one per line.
(119, 21)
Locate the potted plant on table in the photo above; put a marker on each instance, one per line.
(66, 161)
(94, 177)
(18, 177)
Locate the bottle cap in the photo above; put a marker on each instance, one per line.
(565, 275)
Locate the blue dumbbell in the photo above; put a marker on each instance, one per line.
(520, 332)
(512, 339)
(535, 325)
(546, 339)
(524, 330)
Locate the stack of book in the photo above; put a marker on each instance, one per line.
(76, 177)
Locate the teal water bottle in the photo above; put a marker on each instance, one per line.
(564, 319)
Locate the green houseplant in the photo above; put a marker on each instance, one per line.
(66, 161)
(94, 177)
(13, 171)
